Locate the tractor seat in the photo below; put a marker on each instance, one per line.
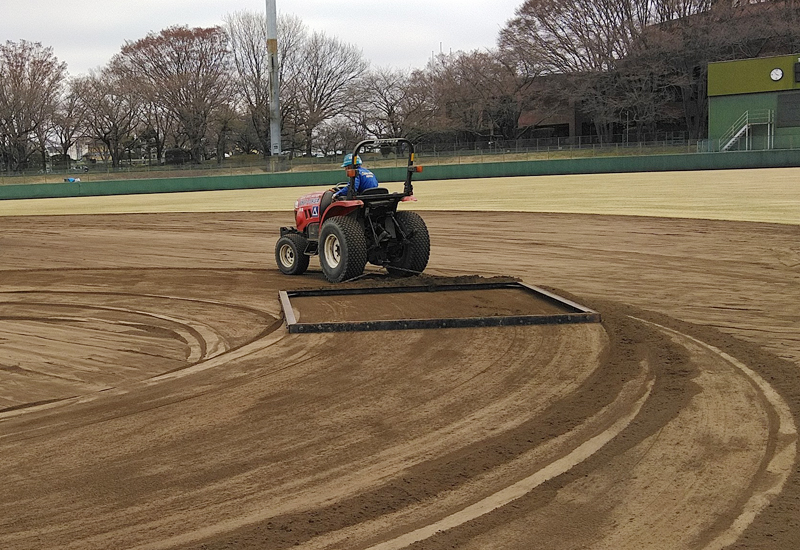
(375, 191)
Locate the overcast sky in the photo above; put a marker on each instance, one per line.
(401, 33)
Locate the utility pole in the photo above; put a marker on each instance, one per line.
(274, 84)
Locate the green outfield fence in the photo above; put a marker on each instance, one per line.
(567, 166)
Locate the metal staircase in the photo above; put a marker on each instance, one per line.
(743, 127)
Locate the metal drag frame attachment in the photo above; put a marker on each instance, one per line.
(575, 313)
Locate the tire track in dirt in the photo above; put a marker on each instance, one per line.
(483, 373)
(347, 441)
(779, 458)
(584, 449)
(654, 512)
(379, 465)
(88, 337)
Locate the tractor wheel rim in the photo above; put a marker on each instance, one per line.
(287, 255)
(333, 252)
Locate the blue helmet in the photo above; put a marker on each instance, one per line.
(348, 161)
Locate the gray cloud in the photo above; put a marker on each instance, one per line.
(87, 33)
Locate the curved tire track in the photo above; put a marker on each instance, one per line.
(286, 440)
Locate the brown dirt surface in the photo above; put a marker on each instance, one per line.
(151, 397)
(424, 304)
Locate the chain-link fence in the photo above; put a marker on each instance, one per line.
(430, 154)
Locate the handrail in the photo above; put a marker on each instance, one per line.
(742, 125)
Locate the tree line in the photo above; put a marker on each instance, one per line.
(191, 94)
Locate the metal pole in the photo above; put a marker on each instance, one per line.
(274, 84)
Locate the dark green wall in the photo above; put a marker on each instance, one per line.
(655, 163)
(167, 185)
(725, 110)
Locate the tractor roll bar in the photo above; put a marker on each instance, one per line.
(408, 189)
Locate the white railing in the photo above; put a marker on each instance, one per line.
(743, 126)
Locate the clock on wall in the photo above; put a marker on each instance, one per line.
(776, 74)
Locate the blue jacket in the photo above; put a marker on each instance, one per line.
(364, 180)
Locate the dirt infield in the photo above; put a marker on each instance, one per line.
(150, 396)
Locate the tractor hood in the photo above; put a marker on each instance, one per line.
(306, 209)
(309, 200)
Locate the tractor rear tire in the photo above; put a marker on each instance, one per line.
(342, 249)
(290, 254)
(413, 258)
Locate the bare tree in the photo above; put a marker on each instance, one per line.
(223, 126)
(476, 95)
(244, 136)
(247, 32)
(247, 35)
(786, 26)
(383, 111)
(337, 135)
(325, 84)
(637, 57)
(573, 36)
(68, 120)
(157, 124)
(111, 108)
(584, 39)
(292, 35)
(456, 106)
(186, 71)
(492, 81)
(429, 104)
(31, 79)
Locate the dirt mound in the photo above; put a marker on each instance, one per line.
(383, 280)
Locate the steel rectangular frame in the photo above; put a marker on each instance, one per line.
(575, 313)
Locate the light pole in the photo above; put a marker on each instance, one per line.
(627, 121)
(274, 84)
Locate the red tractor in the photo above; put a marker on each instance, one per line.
(349, 232)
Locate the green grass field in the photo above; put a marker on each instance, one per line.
(758, 195)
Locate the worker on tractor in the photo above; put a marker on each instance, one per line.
(364, 178)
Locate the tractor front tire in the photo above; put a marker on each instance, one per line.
(290, 254)
(342, 249)
(414, 254)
